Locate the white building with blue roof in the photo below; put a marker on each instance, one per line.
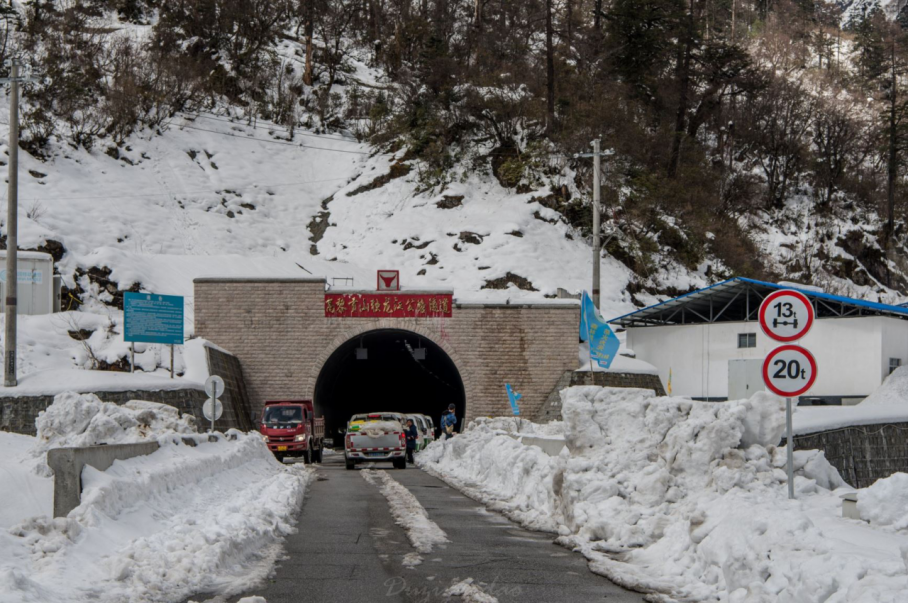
(711, 343)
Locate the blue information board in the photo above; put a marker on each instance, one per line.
(151, 318)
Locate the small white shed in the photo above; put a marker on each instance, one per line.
(711, 343)
(38, 291)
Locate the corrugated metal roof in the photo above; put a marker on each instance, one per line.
(700, 306)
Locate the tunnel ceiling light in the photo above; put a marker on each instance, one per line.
(419, 354)
(362, 353)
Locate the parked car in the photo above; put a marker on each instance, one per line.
(290, 428)
(422, 427)
(432, 433)
(376, 437)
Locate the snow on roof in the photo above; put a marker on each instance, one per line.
(29, 255)
(738, 299)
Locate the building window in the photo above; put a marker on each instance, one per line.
(894, 363)
(747, 340)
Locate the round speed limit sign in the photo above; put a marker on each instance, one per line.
(789, 371)
(786, 315)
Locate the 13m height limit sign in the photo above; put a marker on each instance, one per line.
(789, 370)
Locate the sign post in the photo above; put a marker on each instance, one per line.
(789, 370)
(212, 409)
(151, 318)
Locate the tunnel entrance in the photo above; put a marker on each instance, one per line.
(387, 370)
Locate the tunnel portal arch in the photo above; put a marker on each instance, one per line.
(400, 370)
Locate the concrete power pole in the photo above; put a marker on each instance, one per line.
(12, 229)
(597, 244)
(597, 155)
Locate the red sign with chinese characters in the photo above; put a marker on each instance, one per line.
(377, 305)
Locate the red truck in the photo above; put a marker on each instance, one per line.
(290, 428)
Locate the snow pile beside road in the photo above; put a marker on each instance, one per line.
(84, 420)
(516, 425)
(885, 503)
(185, 519)
(684, 499)
(509, 477)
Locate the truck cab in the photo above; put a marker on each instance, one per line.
(291, 429)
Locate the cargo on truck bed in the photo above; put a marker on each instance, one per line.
(379, 437)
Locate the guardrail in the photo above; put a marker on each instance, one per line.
(551, 446)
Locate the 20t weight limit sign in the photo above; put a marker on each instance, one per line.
(789, 371)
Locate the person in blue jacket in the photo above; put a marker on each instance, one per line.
(448, 422)
(412, 435)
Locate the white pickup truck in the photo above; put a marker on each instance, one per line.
(376, 437)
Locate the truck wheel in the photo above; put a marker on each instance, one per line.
(307, 456)
(350, 464)
(279, 457)
(318, 453)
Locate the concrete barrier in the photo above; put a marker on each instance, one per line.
(551, 446)
(68, 463)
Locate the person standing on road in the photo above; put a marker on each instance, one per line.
(412, 435)
(448, 422)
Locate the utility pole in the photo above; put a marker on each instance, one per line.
(597, 155)
(12, 228)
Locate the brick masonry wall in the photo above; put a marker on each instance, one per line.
(277, 329)
(619, 380)
(861, 453)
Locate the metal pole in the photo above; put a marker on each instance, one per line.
(213, 403)
(171, 361)
(132, 357)
(12, 227)
(790, 446)
(596, 201)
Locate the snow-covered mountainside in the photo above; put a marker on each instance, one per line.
(305, 147)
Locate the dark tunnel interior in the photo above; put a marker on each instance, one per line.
(387, 370)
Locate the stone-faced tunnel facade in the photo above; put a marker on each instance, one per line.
(278, 330)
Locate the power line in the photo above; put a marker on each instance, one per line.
(286, 144)
(196, 192)
(273, 126)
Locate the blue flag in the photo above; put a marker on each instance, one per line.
(513, 397)
(603, 341)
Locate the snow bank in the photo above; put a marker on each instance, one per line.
(885, 503)
(84, 420)
(23, 491)
(893, 390)
(509, 477)
(186, 519)
(682, 499)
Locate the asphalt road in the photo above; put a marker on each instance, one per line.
(348, 549)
